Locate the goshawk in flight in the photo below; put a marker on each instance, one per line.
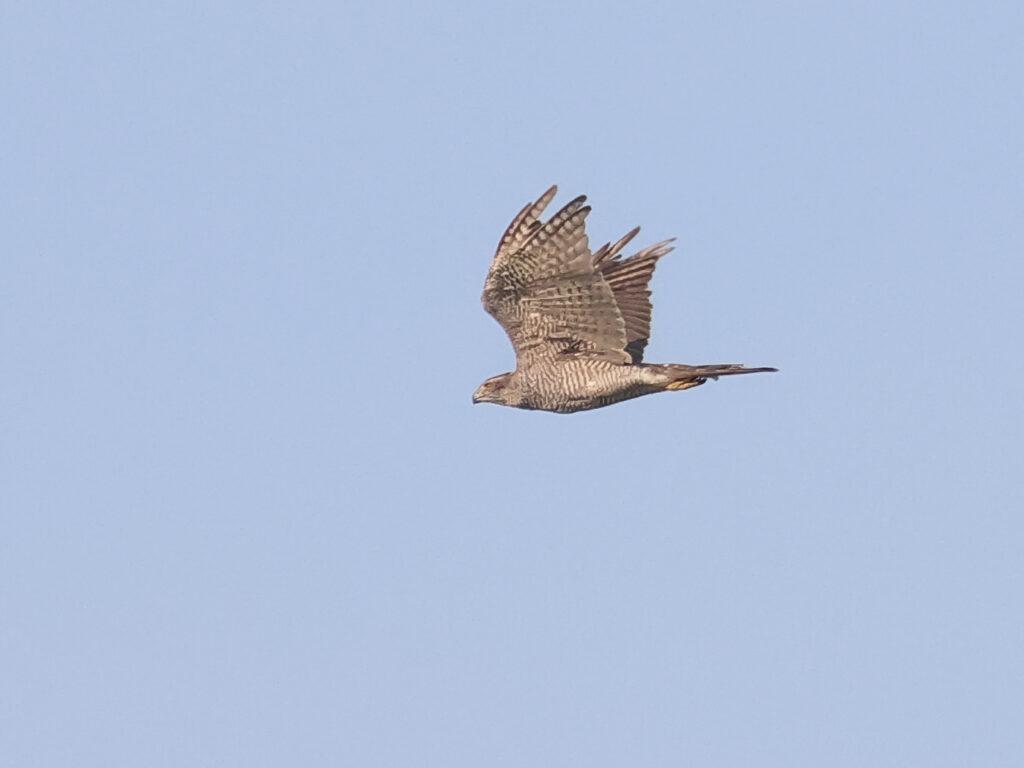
(578, 321)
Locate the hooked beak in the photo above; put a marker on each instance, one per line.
(482, 395)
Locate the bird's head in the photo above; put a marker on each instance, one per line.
(493, 390)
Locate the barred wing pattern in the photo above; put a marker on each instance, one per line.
(628, 279)
(546, 292)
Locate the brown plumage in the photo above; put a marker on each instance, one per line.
(578, 321)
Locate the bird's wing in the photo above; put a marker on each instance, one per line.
(628, 278)
(545, 291)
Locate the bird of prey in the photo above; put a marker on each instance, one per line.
(578, 321)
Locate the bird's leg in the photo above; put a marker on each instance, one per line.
(677, 386)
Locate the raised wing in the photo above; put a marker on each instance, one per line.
(523, 225)
(545, 291)
(628, 278)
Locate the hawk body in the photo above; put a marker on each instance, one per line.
(578, 321)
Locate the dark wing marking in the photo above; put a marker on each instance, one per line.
(545, 292)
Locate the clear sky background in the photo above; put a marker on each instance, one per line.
(250, 516)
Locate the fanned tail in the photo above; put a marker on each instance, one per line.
(687, 376)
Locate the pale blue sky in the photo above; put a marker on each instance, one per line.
(250, 516)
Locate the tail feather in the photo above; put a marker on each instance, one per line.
(687, 376)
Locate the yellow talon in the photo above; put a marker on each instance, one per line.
(676, 386)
